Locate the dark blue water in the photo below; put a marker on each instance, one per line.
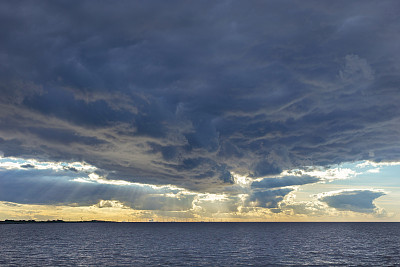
(199, 244)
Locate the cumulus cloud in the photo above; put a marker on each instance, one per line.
(358, 200)
(188, 94)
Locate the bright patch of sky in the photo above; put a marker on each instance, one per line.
(371, 174)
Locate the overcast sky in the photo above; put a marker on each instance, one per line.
(236, 110)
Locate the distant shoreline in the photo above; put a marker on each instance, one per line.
(48, 221)
(152, 222)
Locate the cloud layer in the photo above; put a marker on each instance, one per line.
(189, 93)
(28, 182)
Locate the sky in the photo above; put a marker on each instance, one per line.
(200, 110)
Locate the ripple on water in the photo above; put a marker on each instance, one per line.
(200, 244)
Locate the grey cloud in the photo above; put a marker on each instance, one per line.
(50, 187)
(284, 181)
(189, 93)
(267, 198)
(63, 104)
(353, 200)
(105, 204)
(310, 208)
(27, 166)
(356, 70)
(63, 136)
(72, 169)
(264, 168)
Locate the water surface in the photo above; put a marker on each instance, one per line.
(199, 244)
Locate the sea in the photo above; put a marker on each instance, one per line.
(200, 244)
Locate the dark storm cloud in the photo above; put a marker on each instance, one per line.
(187, 93)
(353, 200)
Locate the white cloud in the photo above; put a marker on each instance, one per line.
(368, 163)
(325, 174)
(13, 163)
(376, 170)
